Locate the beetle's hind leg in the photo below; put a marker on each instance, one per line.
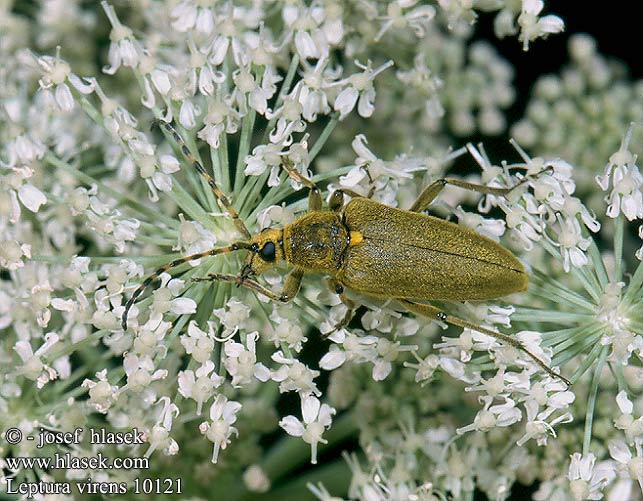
(225, 202)
(434, 313)
(433, 190)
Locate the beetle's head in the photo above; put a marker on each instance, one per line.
(266, 250)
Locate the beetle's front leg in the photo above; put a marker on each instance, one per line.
(430, 192)
(434, 313)
(314, 195)
(289, 291)
(338, 289)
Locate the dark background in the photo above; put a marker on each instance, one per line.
(615, 25)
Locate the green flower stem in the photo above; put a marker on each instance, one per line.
(71, 348)
(88, 107)
(548, 287)
(323, 137)
(618, 247)
(184, 200)
(561, 335)
(587, 284)
(155, 240)
(73, 381)
(222, 151)
(225, 163)
(582, 334)
(581, 346)
(617, 370)
(147, 261)
(553, 251)
(59, 259)
(482, 363)
(250, 192)
(633, 292)
(591, 401)
(599, 265)
(290, 453)
(247, 126)
(526, 314)
(154, 215)
(155, 229)
(177, 327)
(311, 310)
(592, 281)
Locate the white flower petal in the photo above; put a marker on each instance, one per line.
(262, 373)
(62, 304)
(31, 197)
(624, 403)
(310, 408)
(183, 305)
(292, 426)
(333, 359)
(619, 451)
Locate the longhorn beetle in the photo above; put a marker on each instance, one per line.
(373, 249)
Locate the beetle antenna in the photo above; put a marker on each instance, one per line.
(204, 174)
(177, 262)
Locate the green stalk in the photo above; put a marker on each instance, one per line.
(574, 270)
(599, 265)
(576, 350)
(323, 137)
(185, 201)
(591, 401)
(550, 287)
(247, 127)
(618, 248)
(526, 314)
(633, 290)
(225, 163)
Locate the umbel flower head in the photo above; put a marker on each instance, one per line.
(126, 303)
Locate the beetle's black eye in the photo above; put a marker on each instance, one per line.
(268, 251)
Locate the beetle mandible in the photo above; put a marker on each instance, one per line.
(372, 249)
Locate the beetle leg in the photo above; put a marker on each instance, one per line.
(434, 313)
(431, 191)
(336, 201)
(292, 284)
(338, 289)
(289, 291)
(354, 194)
(314, 195)
(204, 174)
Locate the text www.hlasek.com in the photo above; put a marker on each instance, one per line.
(68, 461)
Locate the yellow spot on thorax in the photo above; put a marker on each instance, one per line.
(354, 238)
